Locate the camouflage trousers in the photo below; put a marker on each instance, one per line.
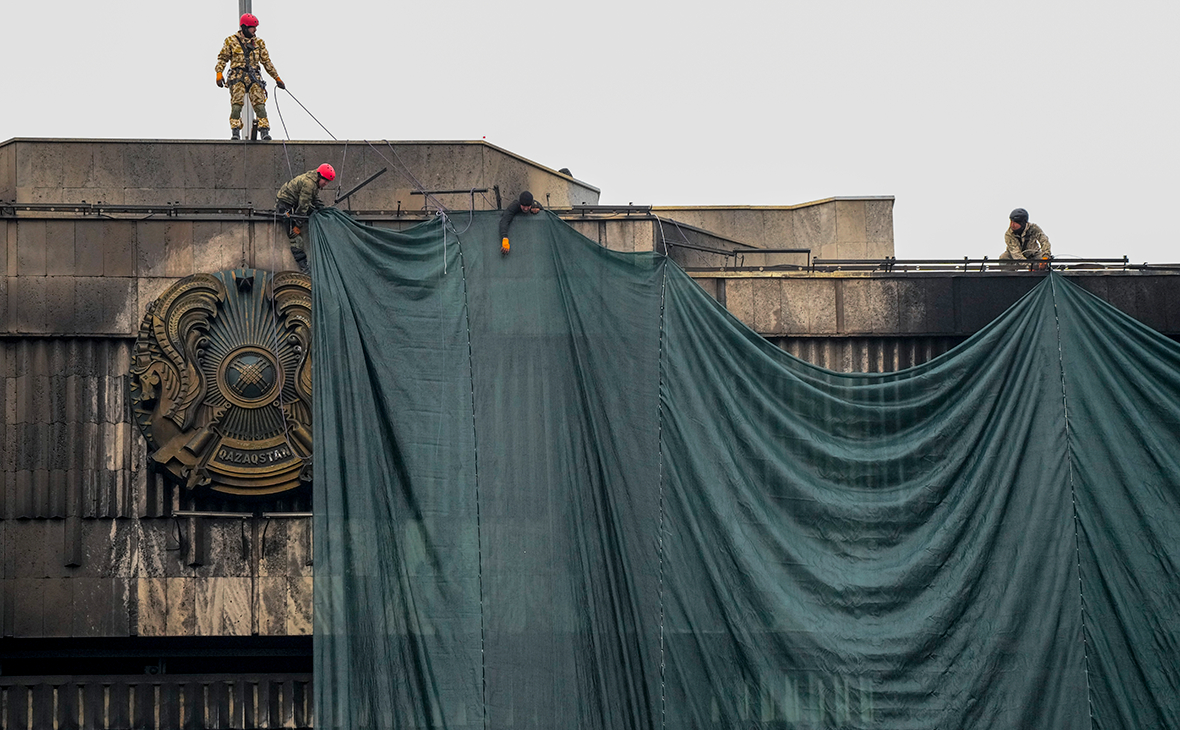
(300, 255)
(237, 95)
(298, 244)
(297, 238)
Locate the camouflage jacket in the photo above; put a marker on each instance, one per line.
(232, 53)
(1030, 243)
(301, 194)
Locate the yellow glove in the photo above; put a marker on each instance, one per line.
(220, 81)
(504, 246)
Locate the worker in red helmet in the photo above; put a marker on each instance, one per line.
(300, 196)
(245, 53)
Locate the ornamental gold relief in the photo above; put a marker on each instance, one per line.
(221, 381)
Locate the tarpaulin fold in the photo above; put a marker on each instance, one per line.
(565, 488)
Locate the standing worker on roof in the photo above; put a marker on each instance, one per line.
(300, 196)
(244, 51)
(523, 204)
(1024, 241)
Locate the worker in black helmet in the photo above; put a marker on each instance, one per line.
(523, 204)
(1024, 241)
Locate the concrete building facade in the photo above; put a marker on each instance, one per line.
(126, 601)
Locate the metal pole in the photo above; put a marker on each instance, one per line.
(369, 179)
(247, 110)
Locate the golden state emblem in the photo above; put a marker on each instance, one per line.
(221, 381)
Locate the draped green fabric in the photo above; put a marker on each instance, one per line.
(563, 488)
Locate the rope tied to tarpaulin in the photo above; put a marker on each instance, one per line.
(1053, 282)
(478, 513)
(404, 168)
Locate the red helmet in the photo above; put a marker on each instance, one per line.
(325, 170)
(249, 20)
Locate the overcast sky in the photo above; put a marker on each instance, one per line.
(961, 111)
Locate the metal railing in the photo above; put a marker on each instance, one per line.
(611, 209)
(893, 264)
(740, 254)
(888, 264)
(101, 209)
(157, 702)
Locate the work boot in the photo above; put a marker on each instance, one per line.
(235, 133)
(265, 133)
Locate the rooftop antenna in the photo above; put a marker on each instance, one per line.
(247, 109)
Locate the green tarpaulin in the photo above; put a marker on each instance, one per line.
(564, 488)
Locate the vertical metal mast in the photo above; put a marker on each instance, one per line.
(247, 109)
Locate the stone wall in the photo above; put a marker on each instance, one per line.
(96, 545)
(847, 305)
(93, 543)
(90, 541)
(93, 276)
(835, 228)
(206, 173)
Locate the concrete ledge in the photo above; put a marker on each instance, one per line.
(208, 172)
(836, 228)
(933, 305)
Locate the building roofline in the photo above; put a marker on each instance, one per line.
(402, 143)
(774, 207)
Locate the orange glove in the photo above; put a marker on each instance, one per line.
(220, 81)
(296, 230)
(279, 83)
(504, 246)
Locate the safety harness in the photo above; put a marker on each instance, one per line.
(253, 74)
(293, 221)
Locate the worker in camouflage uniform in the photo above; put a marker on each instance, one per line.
(1024, 241)
(245, 53)
(299, 197)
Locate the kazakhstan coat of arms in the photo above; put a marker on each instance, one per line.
(221, 381)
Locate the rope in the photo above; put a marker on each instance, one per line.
(663, 238)
(491, 205)
(430, 197)
(1074, 501)
(309, 114)
(660, 456)
(340, 174)
(274, 310)
(478, 520)
(406, 171)
(286, 136)
(445, 223)
(678, 230)
(406, 168)
(470, 215)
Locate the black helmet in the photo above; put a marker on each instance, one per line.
(526, 198)
(1020, 215)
